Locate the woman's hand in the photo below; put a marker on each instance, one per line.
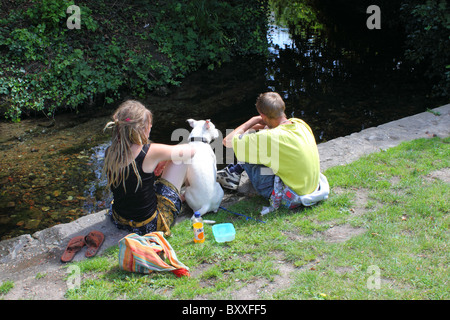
(160, 168)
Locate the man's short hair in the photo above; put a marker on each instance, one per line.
(270, 104)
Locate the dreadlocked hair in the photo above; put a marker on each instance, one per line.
(130, 122)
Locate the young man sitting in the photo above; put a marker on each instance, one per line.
(271, 145)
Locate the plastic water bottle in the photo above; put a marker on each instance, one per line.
(277, 193)
(199, 231)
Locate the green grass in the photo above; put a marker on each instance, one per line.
(5, 287)
(402, 219)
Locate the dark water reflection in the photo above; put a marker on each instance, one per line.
(337, 90)
(341, 90)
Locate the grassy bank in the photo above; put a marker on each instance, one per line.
(382, 234)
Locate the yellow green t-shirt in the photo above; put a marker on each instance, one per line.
(290, 150)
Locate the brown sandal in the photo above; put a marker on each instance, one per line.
(93, 241)
(75, 244)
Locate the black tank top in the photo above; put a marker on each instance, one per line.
(137, 205)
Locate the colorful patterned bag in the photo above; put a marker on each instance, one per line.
(285, 196)
(145, 254)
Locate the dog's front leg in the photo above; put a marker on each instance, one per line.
(183, 194)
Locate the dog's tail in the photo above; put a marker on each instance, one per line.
(204, 209)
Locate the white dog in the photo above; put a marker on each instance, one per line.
(203, 192)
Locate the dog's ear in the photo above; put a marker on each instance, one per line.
(191, 122)
(207, 124)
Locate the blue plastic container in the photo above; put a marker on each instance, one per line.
(224, 232)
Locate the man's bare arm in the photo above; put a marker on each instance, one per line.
(253, 123)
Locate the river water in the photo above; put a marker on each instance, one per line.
(51, 172)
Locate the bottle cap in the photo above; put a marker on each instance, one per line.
(197, 214)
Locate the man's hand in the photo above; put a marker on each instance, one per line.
(254, 123)
(259, 123)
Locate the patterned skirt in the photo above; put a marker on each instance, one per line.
(167, 209)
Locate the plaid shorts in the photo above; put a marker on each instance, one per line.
(167, 209)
